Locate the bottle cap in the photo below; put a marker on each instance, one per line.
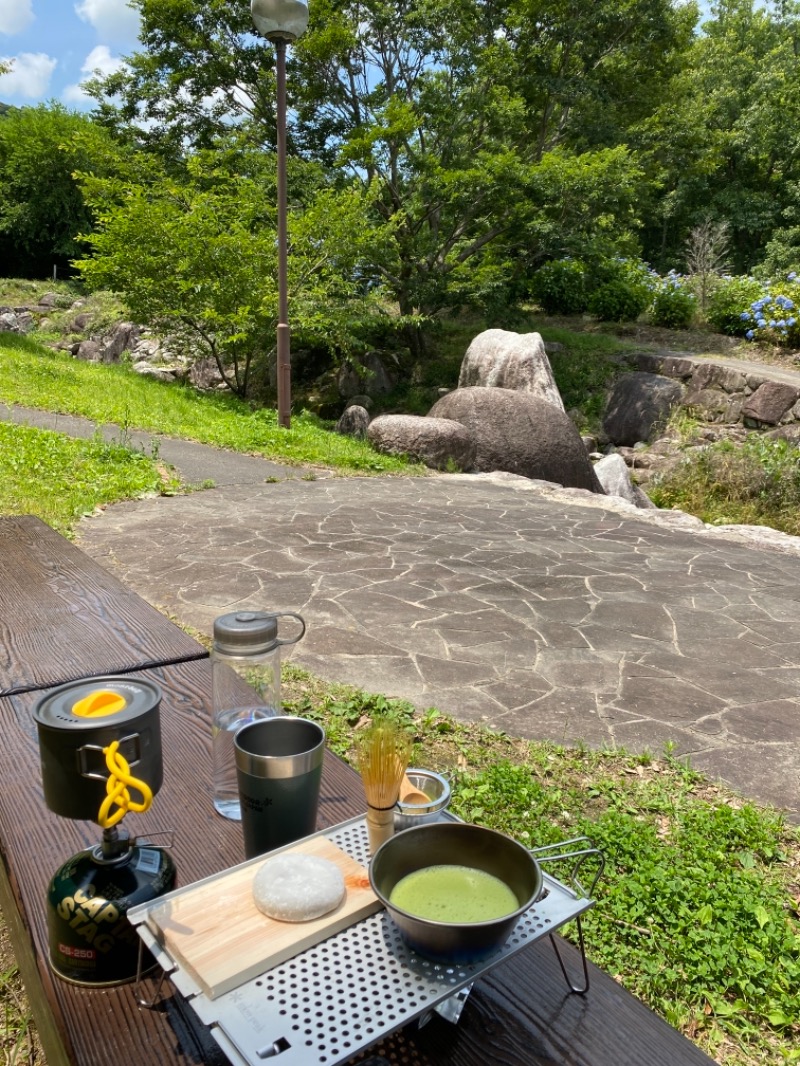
(245, 633)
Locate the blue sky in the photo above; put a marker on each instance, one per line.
(56, 44)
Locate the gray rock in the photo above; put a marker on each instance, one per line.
(712, 405)
(714, 375)
(521, 434)
(790, 433)
(360, 401)
(370, 377)
(498, 358)
(160, 373)
(9, 323)
(123, 337)
(91, 351)
(49, 299)
(353, 422)
(436, 442)
(612, 473)
(770, 402)
(640, 404)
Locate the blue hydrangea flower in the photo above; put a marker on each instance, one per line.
(750, 334)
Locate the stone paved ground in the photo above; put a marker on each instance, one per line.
(547, 614)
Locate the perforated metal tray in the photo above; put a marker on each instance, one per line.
(338, 998)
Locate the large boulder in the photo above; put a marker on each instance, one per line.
(440, 443)
(521, 434)
(500, 359)
(639, 406)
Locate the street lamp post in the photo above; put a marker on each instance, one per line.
(281, 21)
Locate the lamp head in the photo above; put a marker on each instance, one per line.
(280, 20)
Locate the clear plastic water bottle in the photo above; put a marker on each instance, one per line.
(246, 684)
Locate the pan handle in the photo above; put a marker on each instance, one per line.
(579, 849)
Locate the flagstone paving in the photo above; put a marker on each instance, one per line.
(547, 614)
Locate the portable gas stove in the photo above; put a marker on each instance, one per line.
(348, 992)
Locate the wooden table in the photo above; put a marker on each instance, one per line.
(62, 616)
(521, 1014)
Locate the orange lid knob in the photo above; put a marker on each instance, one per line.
(99, 703)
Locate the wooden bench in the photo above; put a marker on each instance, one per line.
(520, 1014)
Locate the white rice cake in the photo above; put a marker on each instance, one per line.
(297, 888)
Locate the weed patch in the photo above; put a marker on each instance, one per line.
(60, 479)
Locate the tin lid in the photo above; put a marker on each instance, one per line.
(91, 703)
(251, 632)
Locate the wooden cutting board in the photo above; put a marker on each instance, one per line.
(215, 931)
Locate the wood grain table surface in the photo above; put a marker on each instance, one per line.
(63, 617)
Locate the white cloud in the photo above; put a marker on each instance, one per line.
(112, 19)
(99, 59)
(29, 75)
(15, 15)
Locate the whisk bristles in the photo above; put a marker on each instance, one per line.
(383, 751)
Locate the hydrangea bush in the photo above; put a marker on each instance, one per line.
(621, 289)
(674, 304)
(774, 317)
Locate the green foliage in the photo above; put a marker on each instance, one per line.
(468, 122)
(619, 301)
(757, 483)
(673, 304)
(60, 479)
(34, 376)
(560, 288)
(42, 213)
(727, 302)
(195, 257)
(773, 317)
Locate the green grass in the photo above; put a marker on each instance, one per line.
(60, 479)
(755, 483)
(698, 907)
(34, 376)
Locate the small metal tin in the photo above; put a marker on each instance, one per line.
(435, 787)
(77, 720)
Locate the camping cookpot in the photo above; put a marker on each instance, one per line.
(456, 844)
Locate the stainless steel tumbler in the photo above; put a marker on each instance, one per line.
(279, 770)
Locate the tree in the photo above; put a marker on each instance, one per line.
(42, 212)
(723, 145)
(195, 256)
(448, 109)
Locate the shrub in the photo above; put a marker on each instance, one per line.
(560, 287)
(727, 303)
(673, 304)
(619, 301)
(773, 317)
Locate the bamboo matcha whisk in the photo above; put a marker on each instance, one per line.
(383, 750)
